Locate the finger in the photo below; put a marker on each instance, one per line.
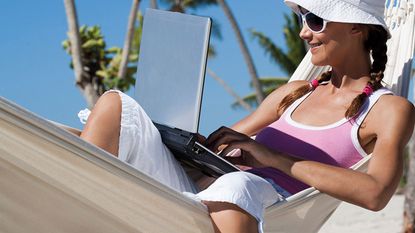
(227, 138)
(234, 153)
(235, 145)
(243, 167)
(200, 138)
(215, 135)
(220, 137)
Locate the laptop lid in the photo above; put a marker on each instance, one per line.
(171, 67)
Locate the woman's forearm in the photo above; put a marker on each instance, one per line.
(345, 184)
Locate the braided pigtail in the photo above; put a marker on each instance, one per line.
(376, 43)
(301, 91)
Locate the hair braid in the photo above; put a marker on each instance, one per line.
(299, 92)
(376, 43)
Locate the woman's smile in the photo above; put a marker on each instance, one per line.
(314, 46)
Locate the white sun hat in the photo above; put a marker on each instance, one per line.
(345, 11)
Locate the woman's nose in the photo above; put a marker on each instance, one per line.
(305, 33)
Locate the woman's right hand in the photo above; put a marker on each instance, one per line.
(253, 154)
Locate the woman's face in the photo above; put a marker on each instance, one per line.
(332, 45)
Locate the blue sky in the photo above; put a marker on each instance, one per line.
(35, 68)
(36, 73)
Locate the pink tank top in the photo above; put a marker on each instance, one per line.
(335, 144)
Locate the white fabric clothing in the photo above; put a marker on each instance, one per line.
(140, 146)
(248, 191)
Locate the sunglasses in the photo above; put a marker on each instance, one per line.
(313, 22)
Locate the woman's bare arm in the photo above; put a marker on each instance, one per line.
(393, 122)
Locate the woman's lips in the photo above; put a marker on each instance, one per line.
(314, 46)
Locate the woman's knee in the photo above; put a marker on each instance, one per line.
(228, 217)
(103, 125)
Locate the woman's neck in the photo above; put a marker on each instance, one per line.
(351, 74)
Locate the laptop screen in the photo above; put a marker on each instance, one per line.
(171, 67)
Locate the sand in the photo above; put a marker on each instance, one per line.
(352, 219)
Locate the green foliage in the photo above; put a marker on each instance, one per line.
(182, 5)
(287, 61)
(102, 64)
(198, 3)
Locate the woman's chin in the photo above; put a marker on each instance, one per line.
(318, 61)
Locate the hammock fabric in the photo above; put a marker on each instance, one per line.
(52, 181)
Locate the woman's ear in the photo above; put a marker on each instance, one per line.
(357, 29)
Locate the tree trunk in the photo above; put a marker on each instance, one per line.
(154, 4)
(74, 40)
(128, 40)
(90, 94)
(82, 80)
(177, 6)
(230, 91)
(245, 52)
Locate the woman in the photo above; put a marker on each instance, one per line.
(307, 134)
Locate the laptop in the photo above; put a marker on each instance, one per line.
(169, 84)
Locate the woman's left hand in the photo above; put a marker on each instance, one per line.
(253, 153)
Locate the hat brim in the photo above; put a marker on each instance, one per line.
(339, 11)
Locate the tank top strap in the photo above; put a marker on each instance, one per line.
(294, 105)
(363, 113)
(370, 102)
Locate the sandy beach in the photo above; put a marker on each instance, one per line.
(352, 219)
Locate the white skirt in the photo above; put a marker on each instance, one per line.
(140, 146)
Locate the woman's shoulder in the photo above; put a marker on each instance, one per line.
(394, 109)
(395, 102)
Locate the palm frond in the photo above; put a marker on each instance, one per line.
(276, 54)
(193, 4)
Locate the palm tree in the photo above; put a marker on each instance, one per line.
(128, 40)
(245, 52)
(97, 68)
(81, 77)
(183, 5)
(287, 61)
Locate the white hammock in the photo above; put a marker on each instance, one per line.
(52, 181)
